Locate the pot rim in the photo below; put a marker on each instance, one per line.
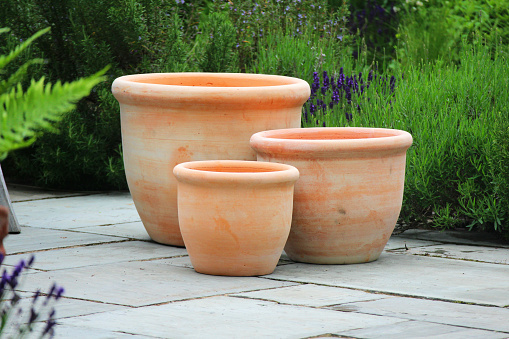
(251, 172)
(165, 87)
(320, 141)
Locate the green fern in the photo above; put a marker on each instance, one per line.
(24, 114)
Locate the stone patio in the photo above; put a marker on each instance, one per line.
(120, 284)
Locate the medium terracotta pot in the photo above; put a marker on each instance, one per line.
(172, 118)
(235, 216)
(350, 191)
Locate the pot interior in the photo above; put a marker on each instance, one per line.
(331, 134)
(214, 80)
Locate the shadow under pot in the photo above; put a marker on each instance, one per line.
(349, 195)
(235, 216)
(170, 118)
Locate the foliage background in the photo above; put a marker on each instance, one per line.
(437, 69)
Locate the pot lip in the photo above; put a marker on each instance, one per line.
(143, 78)
(202, 172)
(128, 91)
(299, 140)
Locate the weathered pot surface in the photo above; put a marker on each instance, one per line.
(349, 195)
(172, 118)
(235, 216)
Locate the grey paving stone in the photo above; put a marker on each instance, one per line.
(64, 307)
(396, 242)
(98, 255)
(143, 283)
(472, 316)
(25, 193)
(36, 239)
(75, 212)
(131, 230)
(476, 253)
(312, 295)
(228, 317)
(66, 332)
(186, 262)
(419, 276)
(456, 237)
(420, 329)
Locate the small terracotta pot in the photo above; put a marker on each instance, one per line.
(350, 191)
(171, 118)
(235, 216)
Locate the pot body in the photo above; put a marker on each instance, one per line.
(235, 216)
(349, 195)
(172, 118)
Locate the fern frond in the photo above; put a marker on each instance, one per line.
(23, 114)
(6, 85)
(5, 59)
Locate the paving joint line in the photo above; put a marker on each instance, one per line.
(391, 293)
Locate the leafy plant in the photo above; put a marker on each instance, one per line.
(218, 44)
(457, 115)
(24, 113)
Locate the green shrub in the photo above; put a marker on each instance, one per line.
(133, 37)
(25, 112)
(458, 116)
(298, 55)
(432, 30)
(218, 44)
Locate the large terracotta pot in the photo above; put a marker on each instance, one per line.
(235, 216)
(350, 191)
(172, 118)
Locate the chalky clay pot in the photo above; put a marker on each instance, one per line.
(349, 195)
(172, 118)
(235, 216)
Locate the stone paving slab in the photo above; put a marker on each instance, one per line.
(130, 230)
(98, 255)
(142, 283)
(456, 237)
(66, 307)
(463, 252)
(421, 329)
(75, 212)
(37, 239)
(119, 284)
(25, 193)
(228, 317)
(471, 316)
(312, 295)
(66, 332)
(397, 242)
(186, 262)
(427, 277)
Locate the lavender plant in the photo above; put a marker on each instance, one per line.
(261, 19)
(336, 99)
(19, 320)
